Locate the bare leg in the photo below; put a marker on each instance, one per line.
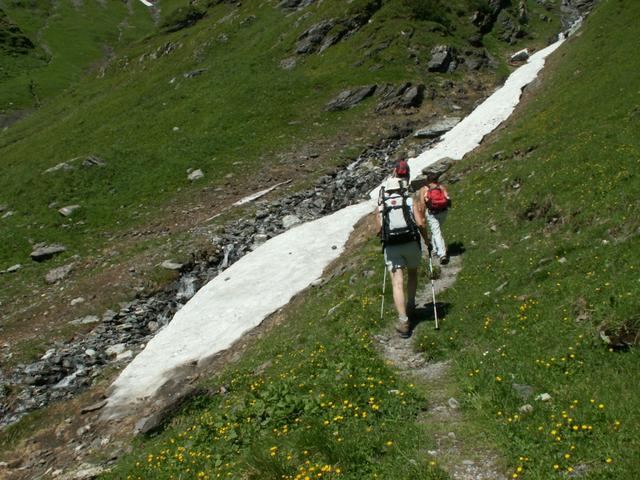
(397, 283)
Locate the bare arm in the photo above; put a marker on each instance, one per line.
(419, 214)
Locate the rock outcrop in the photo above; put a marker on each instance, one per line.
(350, 98)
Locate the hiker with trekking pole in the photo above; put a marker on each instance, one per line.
(433, 204)
(400, 230)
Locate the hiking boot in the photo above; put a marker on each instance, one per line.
(444, 259)
(403, 328)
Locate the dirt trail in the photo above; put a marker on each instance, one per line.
(458, 448)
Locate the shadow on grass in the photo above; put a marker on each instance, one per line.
(426, 313)
(455, 249)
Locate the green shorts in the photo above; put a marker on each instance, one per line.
(403, 255)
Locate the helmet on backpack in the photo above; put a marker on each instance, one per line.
(394, 183)
(402, 170)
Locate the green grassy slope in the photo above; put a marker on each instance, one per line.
(69, 37)
(312, 400)
(559, 264)
(150, 123)
(534, 290)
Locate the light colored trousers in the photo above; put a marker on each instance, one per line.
(435, 222)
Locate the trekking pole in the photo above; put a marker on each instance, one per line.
(384, 283)
(433, 292)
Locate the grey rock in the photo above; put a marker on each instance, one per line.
(520, 56)
(404, 96)
(77, 301)
(311, 38)
(288, 63)
(126, 355)
(289, 221)
(350, 98)
(437, 169)
(437, 128)
(46, 252)
(294, 4)
(115, 350)
(442, 57)
(68, 210)
(195, 175)
(59, 273)
(523, 391)
(61, 166)
(14, 268)
(85, 472)
(523, 13)
(93, 161)
(171, 265)
(85, 320)
(453, 403)
(195, 73)
(543, 397)
(527, 408)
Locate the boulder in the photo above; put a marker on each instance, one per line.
(437, 128)
(85, 320)
(288, 63)
(68, 210)
(289, 221)
(520, 56)
(309, 41)
(195, 175)
(294, 4)
(438, 169)
(85, 472)
(59, 273)
(14, 268)
(404, 96)
(171, 265)
(442, 58)
(46, 252)
(115, 350)
(475, 59)
(194, 73)
(350, 98)
(93, 161)
(60, 166)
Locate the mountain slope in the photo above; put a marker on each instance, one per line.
(227, 94)
(544, 271)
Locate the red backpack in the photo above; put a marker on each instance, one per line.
(436, 199)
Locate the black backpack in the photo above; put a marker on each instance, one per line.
(398, 224)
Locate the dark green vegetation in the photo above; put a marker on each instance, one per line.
(545, 216)
(153, 101)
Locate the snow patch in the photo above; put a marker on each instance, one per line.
(236, 301)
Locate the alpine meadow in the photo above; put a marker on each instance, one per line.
(150, 151)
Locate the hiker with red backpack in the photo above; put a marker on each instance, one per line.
(433, 204)
(400, 231)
